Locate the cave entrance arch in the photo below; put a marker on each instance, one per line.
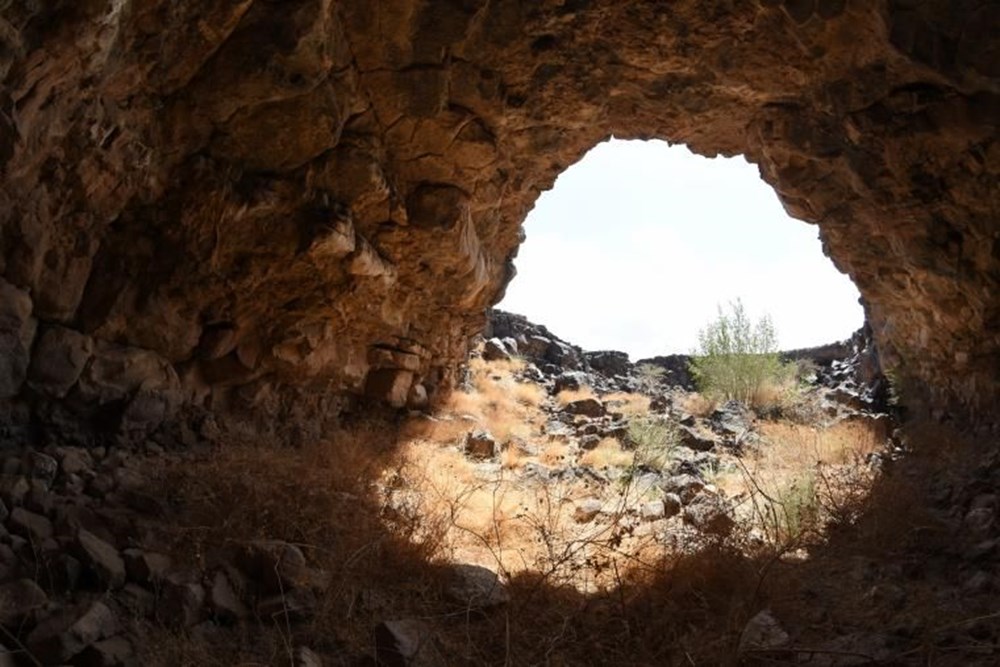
(636, 245)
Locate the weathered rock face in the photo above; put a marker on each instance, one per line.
(329, 194)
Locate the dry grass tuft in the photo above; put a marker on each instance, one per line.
(630, 405)
(567, 396)
(699, 405)
(608, 454)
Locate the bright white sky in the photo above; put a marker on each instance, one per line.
(638, 242)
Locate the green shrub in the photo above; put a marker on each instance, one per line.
(654, 441)
(738, 359)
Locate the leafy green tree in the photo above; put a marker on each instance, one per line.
(738, 358)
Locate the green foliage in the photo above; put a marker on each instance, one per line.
(654, 441)
(649, 376)
(738, 359)
(797, 508)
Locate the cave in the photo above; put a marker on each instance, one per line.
(263, 218)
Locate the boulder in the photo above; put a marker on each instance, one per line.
(588, 407)
(405, 643)
(476, 587)
(19, 598)
(762, 632)
(587, 510)
(694, 439)
(496, 350)
(709, 514)
(60, 356)
(389, 385)
(59, 638)
(101, 557)
(17, 330)
(480, 445)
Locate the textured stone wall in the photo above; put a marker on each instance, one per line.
(211, 202)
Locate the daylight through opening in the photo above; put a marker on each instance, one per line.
(587, 466)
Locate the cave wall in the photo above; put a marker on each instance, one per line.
(249, 205)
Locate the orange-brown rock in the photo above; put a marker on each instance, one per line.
(328, 194)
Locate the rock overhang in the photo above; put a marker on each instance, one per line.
(314, 198)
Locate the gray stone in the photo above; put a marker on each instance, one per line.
(480, 445)
(763, 631)
(708, 513)
(101, 557)
(304, 657)
(224, 601)
(652, 510)
(295, 604)
(60, 356)
(587, 510)
(474, 586)
(685, 486)
(42, 467)
(33, 527)
(271, 565)
(590, 407)
(66, 634)
(693, 439)
(391, 385)
(145, 567)
(182, 601)
(19, 598)
(496, 350)
(17, 329)
(671, 505)
(404, 643)
(113, 652)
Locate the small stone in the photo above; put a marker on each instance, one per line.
(708, 514)
(182, 601)
(495, 350)
(587, 510)
(75, 461)
(223, 599)
(113, 652)
(34, 527)
(294, 605)
(272, 565)
(304, 657)
(137, 600)
(14, 489)
(20, 598)
(145, 567)
(63, 572)
(685, 486)
(762, 632)
(480, 445)
(58, 638)
(652, 510)
(403, 642)
(474, 586)
(589, 407)
(671, 504)
(102, 557)
(42, 466)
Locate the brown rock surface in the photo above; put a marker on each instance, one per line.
(265, 194)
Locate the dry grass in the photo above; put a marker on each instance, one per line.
(800, 477)
(567, 396)
(630, 405)
(582, 593)
(698, 405)
(608, 454)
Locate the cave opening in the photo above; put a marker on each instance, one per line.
(637, 244)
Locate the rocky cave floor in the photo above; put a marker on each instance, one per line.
(526, 522)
